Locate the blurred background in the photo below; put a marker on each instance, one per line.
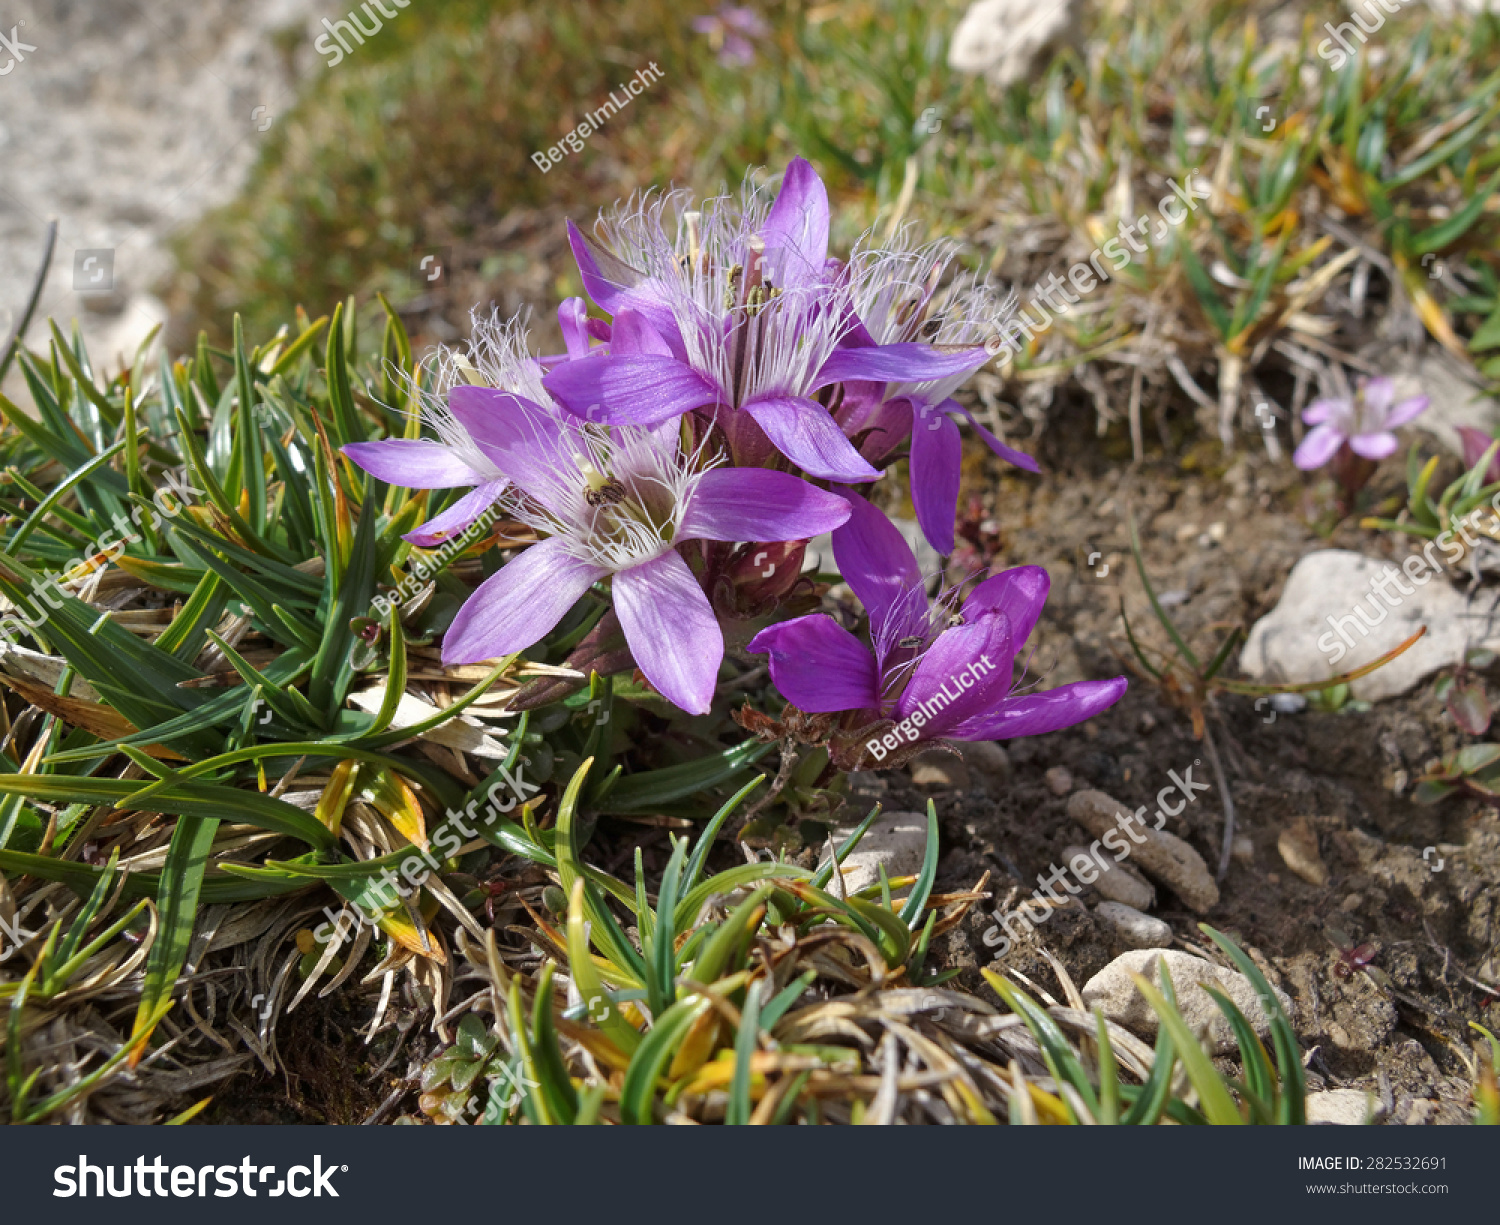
(206, 158)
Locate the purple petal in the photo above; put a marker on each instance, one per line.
(818, 665)
(573, 319)
(632, 333)
(1020, 594)
(412, 463)
(517, 436)
(605, 277)
(1035, 713)
(671, 630)
(1320, 411)
(1405, 411)
(458, 517)
(966, 672)
(1317, 448)
(635, 389)
(880, 568)
(1475, 444)
(796, 229)
(936, 464)
(1374, 446)
(899, 363)
(517, 607)
(759, 504)
(1009, 454)
(1378, 393)
(803, 431)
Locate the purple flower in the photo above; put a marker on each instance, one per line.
(1475, 444)
(614, 502)
(935, 671)
(495, 357)
(894, 300)
(1364, 424)
(735, 314)
(730, 31)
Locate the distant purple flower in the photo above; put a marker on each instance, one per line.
(894, 298)
(924, 652)
(1364, 424)
(495, 357)
(735, 314)
(730, 31)
(1475, 444)
(615, 502)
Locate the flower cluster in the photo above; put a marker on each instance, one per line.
(725, 386)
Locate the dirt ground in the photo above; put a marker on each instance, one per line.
(1222, 545)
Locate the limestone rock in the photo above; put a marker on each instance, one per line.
(1297, 641)
(1454, 399)
(1298, 844)
(896, 839)
(1137, 930)
(989, 758)
(936, 770)
(1116, 882)
(1343, 1107)
(1006, 39)
(1162, 855)
(1115, 993)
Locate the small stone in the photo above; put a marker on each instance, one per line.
(1146, 724)
(1007, 39)
(1342, 1107)
(1352, 903)
(989, 758)
(1243, 851)
(939, 771)
(1157, 853)
(1339, 1036)
(1330, 619)
(1116, 882)
(896, 839)
(1298, 845)
(1421, 1113)
(1136, 930)
(1113, 990)
(1059, 780)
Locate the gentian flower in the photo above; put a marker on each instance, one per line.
(730, 31)
(738, 315)
(495, 357)
(893, 293)
(1363, 424)
(1475, 443)
(615, 502)
(940, 670)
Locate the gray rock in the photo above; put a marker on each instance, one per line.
(1006, 39)
(1137, 930)
(1116, 882)
(1342, 1107)
(1113, 990)
(1298, 640)
(1159, 854)
(989, 758)
(1454, 397)
(936, 770)
(1298, 844)
(896, 839)
(1059, 780)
